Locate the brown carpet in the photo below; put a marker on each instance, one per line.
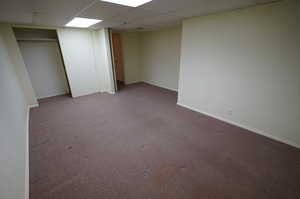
(138, 144)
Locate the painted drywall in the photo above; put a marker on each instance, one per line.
(45, 67)
(131, 57)
(160, 57)
(152, 57)
(17, 61)
(243, 67)
(13, 130)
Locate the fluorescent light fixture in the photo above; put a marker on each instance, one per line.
(82, 22)
(131, 3)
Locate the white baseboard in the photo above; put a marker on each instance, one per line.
(33, 106)
(53, 95)
(241, 126)
(165, 87)
(111, 92)
(27, 153)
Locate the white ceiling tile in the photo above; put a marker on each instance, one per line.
(163, 18)
(45, 19)
(156, 13)
(16, 5)
(169, 24)
(57, 12)
(106, 24)
(103, 10)
(166, 5)
(204, 7)
(16, 11)
(136, 14)
(152, 22)
(60, 6)
(16, 17)
(135, 27)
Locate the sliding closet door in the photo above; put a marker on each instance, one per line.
(45, 67)
(79, 57)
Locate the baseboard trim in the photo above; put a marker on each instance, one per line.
(165, 87)
(27, 152)
(133, 82)
(53, 95)
(32, 106)
(111, 92)
(240, 125)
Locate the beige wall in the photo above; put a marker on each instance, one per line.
(153, 57)
(14, 179)
(160, 57)
(131, 55)
(243, 67)
(17, 62)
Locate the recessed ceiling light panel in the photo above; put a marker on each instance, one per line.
(82, 22)
(131, 3)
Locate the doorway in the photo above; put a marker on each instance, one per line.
(118, 60)
(43, 60)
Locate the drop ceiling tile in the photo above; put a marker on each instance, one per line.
(60, 6)
(134, 27)
(16, 11)
(159, 19)
(16, 6)
(166, 5)
(45, 19)
(189, 8)
(152, 23)
(103, 10)
(57, 12)
(136, 14)
(16, 17)
(169, 24)
(106, 24)
(204, 7)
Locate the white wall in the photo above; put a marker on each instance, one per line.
(131, 56)
(13, 130)
(86, 57)
(160, 57)
(243, 67)
(45, 68)
(17, 61)
(152, 57)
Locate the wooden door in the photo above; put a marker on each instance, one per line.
(118, 57)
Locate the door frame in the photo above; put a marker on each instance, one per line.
(112, 60)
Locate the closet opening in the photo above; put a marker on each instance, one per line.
(44, 62)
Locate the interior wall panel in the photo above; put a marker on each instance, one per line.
(243, 67)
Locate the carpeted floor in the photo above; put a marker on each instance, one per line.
(138, 144)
